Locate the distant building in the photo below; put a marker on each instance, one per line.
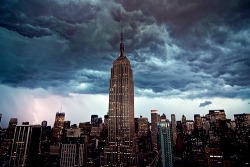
(86, 127)
(25, 146)
(154, 122)
(242, 120)
(173, 127)
(66, 124)
(94, 121)
(12, 122)
(142, 126)
(197, 121)
(183, 121)
(164, 142)
(215, 116)
(189, 126)
(44, 124)
(95, 131)
(58, 126)
(73, 132)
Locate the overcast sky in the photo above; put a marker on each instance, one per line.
(187, 56)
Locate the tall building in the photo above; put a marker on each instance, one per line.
(58, 126)
(154, 122)
(25, 147)
(119, 150)
(164, 142)
(173, 127)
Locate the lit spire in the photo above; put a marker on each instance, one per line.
(121, 46)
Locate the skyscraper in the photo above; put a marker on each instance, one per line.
(154, 122)
(164, 142)
(120, 150)
(58, 126)
(173, 127)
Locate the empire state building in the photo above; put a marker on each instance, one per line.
(120, 150)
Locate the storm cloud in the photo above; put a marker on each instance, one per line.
(193, 49)
(206, 103)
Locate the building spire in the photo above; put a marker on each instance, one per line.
(122, 46)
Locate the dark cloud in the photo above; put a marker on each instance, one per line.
(206, 103)
(181, 49)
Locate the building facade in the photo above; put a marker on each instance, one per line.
(73, 152)
(25, 146)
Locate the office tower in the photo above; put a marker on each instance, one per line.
(164, 142)
(120, 150)
(58, 126)
(25, 146)
(154, 122)
(173, 127)
(94, 121)
(142, 126)
(197, 121)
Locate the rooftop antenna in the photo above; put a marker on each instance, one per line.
(121, 46)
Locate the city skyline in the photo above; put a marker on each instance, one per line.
(56, 56)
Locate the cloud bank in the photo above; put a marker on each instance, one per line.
(189, 50)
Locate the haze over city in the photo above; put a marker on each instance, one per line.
(187, 57)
